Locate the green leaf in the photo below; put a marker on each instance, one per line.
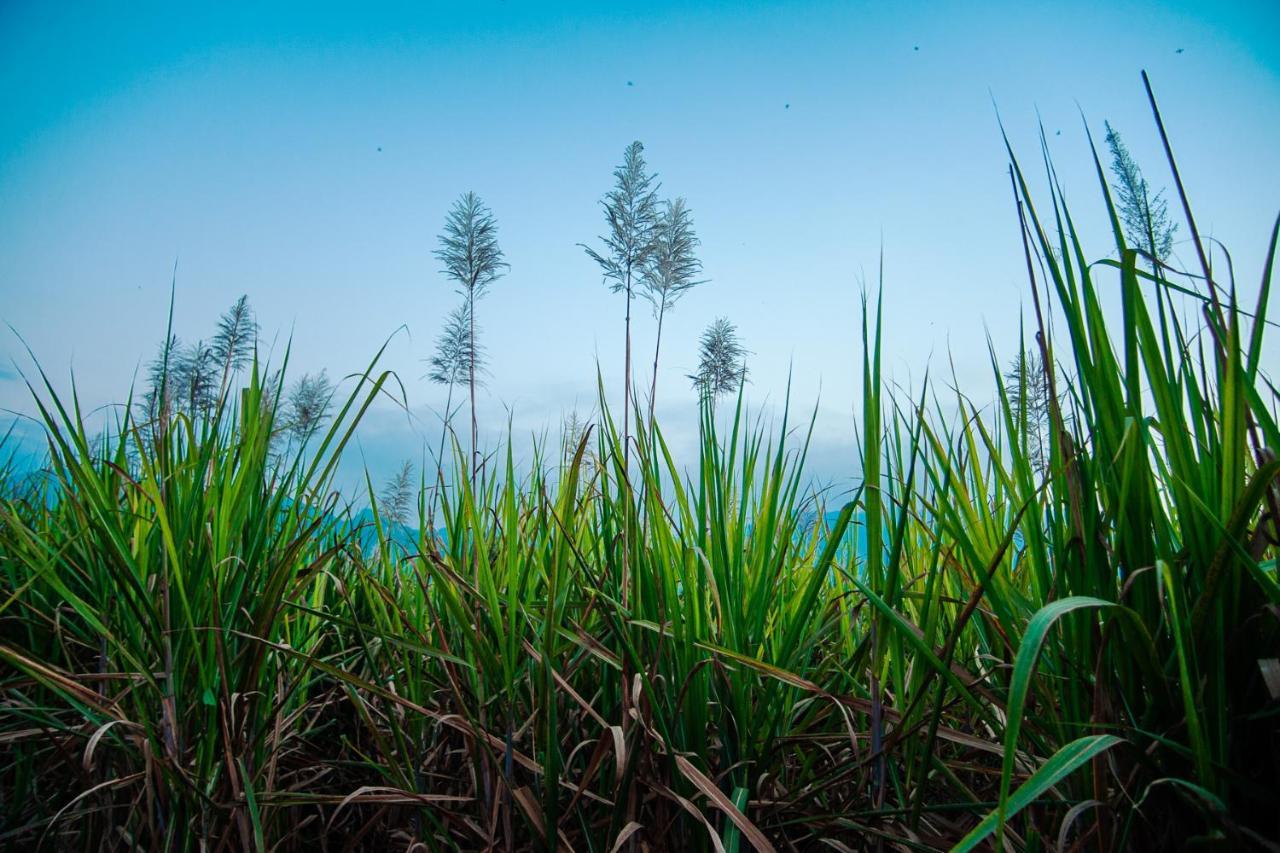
(1057, 768)
(1020, 685)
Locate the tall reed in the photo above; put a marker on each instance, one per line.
(202, 651)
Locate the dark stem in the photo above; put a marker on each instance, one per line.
(471, 370)
(444, 429)
(653, 388)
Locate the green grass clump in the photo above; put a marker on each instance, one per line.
(201, 652)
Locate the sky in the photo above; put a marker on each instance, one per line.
(306, 155)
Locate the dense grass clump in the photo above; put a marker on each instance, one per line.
(989, 644)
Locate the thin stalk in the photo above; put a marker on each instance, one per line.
(444, 430)
(471, 378)
(653, 387)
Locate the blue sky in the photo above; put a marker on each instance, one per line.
(306, 155)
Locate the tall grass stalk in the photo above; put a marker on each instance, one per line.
(202, 651)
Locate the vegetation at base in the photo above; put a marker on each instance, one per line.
(1048, 624)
